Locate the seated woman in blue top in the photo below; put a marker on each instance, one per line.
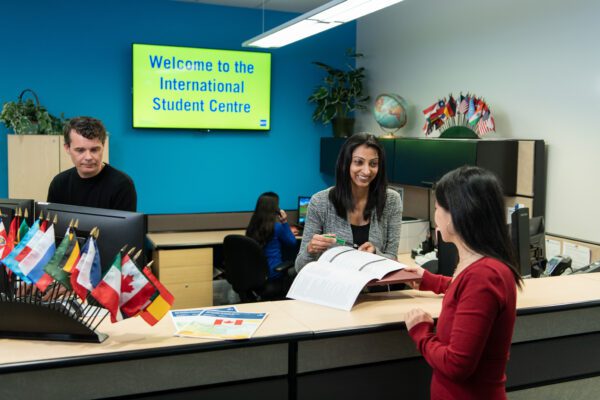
(269, 227)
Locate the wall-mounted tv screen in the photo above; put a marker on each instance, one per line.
(194, 88)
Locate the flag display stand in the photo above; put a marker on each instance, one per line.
(466, 117)
(32, 316)
(459, 132)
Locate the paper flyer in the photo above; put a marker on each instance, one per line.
(221, 323)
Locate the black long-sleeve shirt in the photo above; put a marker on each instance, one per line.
(111, 189)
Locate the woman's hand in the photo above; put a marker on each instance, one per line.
(368, 247)
(320, 243)
(417, 270)
(282, 216)
(416, 316)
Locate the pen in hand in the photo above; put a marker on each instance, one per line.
(342, 242)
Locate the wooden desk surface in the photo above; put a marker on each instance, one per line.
(183, 239)
(196, 238)
(291, 318)
(134, 335)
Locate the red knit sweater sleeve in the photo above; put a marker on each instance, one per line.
(434, 283)
(479, 301)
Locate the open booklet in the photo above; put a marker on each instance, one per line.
(336, 279)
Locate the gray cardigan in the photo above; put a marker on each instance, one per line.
(321, 218)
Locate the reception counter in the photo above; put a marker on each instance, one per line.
(305, 351)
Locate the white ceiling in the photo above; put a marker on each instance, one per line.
(297, 6)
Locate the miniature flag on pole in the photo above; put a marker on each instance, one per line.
(74, 255)
(136, 289)
(451, 105)
(86, 274)
(53, 268)
(33, 265)
(429, 110)
(3, 239)
(490, 123)
(32, 236)
(108, 291)
(11, 241)
(11, 238)
(23, 229)
(471, 109)
(475, 117)
(161, 303)
(463, 105)
(17, 220)
(38, 251)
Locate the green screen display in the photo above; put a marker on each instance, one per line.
(182, 87)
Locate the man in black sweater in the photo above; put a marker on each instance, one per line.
(91, 182)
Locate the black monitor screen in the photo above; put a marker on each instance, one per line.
(526, 234)
(519, 232)
(302, 209)
(447, 254)
(8, 208)
(537, 239)
(117, 228)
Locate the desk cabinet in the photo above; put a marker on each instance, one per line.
(188, 274)
(420, 162)
(33, 160)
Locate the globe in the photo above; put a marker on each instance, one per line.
(390, 112)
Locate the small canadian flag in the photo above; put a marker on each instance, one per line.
(228, 321)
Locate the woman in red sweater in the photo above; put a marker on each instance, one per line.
(469, 349)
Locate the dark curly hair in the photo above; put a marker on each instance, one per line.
(88, 127)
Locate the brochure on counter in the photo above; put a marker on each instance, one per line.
(216, 323)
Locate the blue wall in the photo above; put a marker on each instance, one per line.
(76, 55)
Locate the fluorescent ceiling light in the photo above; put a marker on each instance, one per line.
(320, 19)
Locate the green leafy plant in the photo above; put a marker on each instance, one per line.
(26, 117)
(341, 92)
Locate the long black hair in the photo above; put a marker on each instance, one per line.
(341, 195)
(473, 197)
(262, 223)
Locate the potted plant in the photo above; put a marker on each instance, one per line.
(340, 94)
(26, 117)
(34, 151)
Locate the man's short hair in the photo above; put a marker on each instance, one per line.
(88, 127)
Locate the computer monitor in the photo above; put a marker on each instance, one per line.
(519, 232)
(8, 208)
(524, 243)
(537, 237)
(117, 228)
(302, 209)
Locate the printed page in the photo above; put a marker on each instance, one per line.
(552, 248)
(372, 265)
(318, 282)
(336, 279)
(580, 255)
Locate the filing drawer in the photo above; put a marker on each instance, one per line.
(188, 274)
(192, 294)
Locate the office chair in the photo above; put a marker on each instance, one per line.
(247, 270)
